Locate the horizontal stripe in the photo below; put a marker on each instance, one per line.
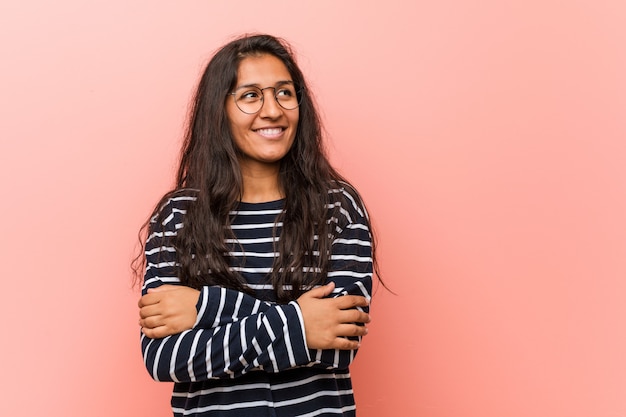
(255, 213)
(255, 226)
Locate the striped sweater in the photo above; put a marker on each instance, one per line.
(247, 355)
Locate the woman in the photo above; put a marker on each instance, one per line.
(258, 265)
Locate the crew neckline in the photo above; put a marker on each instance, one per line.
(274, 204)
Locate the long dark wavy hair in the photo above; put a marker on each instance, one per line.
(209, 165)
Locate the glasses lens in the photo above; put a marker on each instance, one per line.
(287, 96)
(250, 99)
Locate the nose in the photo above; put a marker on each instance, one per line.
(270, 107)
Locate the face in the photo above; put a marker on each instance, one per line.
(265, 137)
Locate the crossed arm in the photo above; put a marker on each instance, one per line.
(190, 335)
(178, 345)
(171, 309)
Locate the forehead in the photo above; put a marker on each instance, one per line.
(262, 70)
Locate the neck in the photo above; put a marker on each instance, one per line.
(260, 186)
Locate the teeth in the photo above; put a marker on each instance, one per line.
(273, 131)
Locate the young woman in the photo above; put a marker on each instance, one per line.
(258, 265)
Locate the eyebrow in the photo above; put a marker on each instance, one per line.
(277, 84)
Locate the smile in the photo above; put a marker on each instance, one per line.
(270, 132)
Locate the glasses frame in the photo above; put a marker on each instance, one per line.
(298, 91)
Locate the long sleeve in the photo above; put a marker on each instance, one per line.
(244, 333)
(350, 269)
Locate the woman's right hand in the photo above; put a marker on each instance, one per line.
(167, 310)
(328, 321)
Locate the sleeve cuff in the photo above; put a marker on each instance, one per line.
(298, 340)
(203, 320)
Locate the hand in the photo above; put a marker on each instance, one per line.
(328, 321)
(167, 310)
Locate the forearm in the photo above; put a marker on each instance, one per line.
(335, 358)
(272, 341)
(351, 271)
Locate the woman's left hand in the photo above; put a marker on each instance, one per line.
(167, 310)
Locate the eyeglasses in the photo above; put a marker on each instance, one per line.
(249, 99)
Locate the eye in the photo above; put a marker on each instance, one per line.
(249, 95)
(286, 91)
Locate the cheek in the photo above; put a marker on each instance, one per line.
(238, 123)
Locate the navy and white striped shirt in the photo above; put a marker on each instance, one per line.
(245, 355)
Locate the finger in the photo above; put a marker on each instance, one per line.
(351, 330)
(350, 301)
(149, 310)
(328, 288)
(155, 333)
(320, 292)
(353, 316)
(149, 299)
(152, 322)
(342, 343)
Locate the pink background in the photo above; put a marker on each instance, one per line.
(487, 137)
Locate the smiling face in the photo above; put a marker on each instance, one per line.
(265, 137)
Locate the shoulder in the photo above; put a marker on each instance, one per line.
(346, 203)
(173, 206)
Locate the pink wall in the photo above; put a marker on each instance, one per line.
(488, 139)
